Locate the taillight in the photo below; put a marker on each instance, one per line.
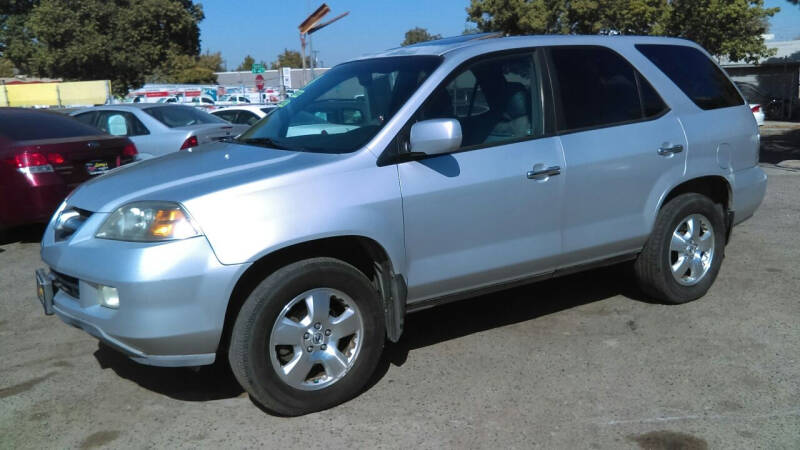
(130, 150)
(30, 162)
(190, 142)
(55, 158)
(756, 108)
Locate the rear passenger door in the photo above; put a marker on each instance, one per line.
(620, 142)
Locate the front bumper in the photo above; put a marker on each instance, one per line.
(172, 296)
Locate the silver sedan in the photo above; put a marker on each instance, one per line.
(157, 128)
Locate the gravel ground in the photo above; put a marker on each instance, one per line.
(577, 362)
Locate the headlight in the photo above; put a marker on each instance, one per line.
(149, 222)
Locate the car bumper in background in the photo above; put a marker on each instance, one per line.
(31, 204)
(172, 296)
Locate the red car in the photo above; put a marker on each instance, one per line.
(44, 156)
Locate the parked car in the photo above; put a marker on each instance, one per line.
(44, 156)
(244, 115)
(759, 102)
(233, 100)
(159, 128)
(294, 255)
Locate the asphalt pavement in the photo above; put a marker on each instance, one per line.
(578, 362)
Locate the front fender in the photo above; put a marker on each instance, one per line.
(248, 222)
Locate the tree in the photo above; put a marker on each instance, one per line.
(187, 69)
(6, 68)
(290, 58)
(247, 64)
(119, 40)
(417, 34)
(730, 28)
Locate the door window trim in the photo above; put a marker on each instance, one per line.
(391, 154)
(559, 106)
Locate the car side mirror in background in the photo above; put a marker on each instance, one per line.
(435, 136)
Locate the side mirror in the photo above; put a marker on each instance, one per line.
(436, 136)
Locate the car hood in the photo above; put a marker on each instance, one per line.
(184, 175)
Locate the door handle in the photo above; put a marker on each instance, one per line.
(540, 174)
(666, 151)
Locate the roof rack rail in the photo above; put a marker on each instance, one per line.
(459, 39)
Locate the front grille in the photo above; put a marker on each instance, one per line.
(66, 283)
(69, 221)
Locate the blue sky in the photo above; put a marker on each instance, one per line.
(263, 28)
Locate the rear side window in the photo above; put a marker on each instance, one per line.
(695, 74)
(598, 88)
(25, 125)
(181, 116)
(120, 123)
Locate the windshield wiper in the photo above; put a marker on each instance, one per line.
(263, 142)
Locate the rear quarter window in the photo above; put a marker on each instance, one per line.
(695, 74)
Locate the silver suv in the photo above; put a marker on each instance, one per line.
(403, 180)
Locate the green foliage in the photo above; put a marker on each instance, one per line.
(730, 28)
(6, 68)
(290, 58)
(417, 34)
(187, 69)
(119, 40)
(247, 64)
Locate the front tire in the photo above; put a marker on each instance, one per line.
(308, 337)
(684, 253)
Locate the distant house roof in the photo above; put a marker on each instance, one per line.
(787, 52)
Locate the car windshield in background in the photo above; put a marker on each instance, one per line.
(22, 125)
(181, 116)
(342, 110)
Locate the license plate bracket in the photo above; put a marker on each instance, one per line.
(44, 290)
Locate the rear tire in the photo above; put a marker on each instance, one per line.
(308, 337)
(683, 255)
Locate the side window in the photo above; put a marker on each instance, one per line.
(597, 87)
(246, 118)
(696, 75)
(120, 123)
(496, 100)
(228, 116)
(652, 105)
(88, 118)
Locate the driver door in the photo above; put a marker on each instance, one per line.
(491, 211)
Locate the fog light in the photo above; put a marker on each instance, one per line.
(109, 296)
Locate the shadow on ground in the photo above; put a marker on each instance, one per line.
(779, 147)
(213, 382)
(27, 234)
(422, 329)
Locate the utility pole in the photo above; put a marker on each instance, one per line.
(310, 26)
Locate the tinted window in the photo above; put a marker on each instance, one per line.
(120, 123)
(181, 116)
(229, 116)
(496, 100)
(696, 75)
(88, 118)
(652, 104)
(323, 117)
(23, 125)
(598, 87)
(246, 118)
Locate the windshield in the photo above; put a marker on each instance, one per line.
(181, 116)
(346, 107)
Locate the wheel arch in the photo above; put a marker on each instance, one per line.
(365, 254)
(715, 187)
